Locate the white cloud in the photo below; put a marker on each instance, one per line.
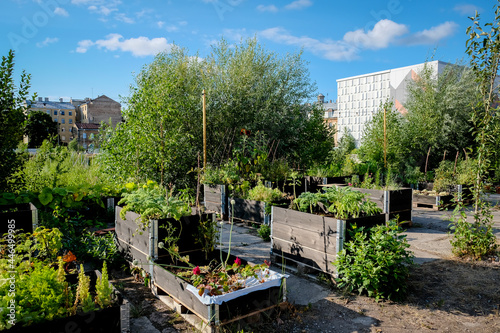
(269, 8)
(328, 49)
(160, 24)
(83, 2)
(383, 33)
(84, 45)
(47, 41)
(124, 18)
(183, 23)
(299, 4)
(139, 47)
(432, 35)
(467, 9)
(172, 28)
(61, 11)
(235, 34)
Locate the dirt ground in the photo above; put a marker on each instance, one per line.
(444, 296)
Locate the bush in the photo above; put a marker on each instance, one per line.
(265, 232)
(375, 262)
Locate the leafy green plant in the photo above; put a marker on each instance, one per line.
(104, 290)
(476, 239)
(444, 178)
(98, 248)
(375, 262)
(83, 298)
(152, 202)
(264, 232)
(347, 203)
(307, 201)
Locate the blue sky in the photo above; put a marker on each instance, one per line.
(86, 48)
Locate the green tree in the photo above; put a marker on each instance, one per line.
(372, 144)
(246, 87)
(438, 114)
(11, 115)
(39, 126)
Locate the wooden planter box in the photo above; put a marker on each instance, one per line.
(114, 319)
(394, 203)
(249, 210)
(244, 302)
(285, 187)
(216, 199)
(314, 183)
(434, 202)
(311, 240)
(21, 216)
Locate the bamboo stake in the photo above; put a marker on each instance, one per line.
(385, 140)
(204, 132)
(426, 162)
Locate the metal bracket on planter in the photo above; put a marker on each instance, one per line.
(386, 205)
(153, 248)
(213, 314)
(223, 201)
(34, 216)
(341, 226)
(267, 217)
(125, 318)
(283, 287)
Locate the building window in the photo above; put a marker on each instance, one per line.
(62, 121)
(55, 119)
(55, 112)
(62, 129)
(84, 135)
(71, 129)
(61, 113)
(70, 113)
(63, 138)
(70, 121)
(48, 112)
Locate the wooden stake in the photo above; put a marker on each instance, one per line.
(456, 158)
(426, 162)
(444, 155)
(385, 140)
(204, 132)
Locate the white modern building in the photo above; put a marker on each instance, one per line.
(359, 97)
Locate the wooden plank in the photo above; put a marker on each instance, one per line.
(376, 196)
(126, 231)
(299, 219)
(177, 289)
(400, 199)
(316, 259)
(248, 210)
(304, 237)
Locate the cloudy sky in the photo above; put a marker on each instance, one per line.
(86, 48)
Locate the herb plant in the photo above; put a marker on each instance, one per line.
(375, 262)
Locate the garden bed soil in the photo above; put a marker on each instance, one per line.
(444, 296)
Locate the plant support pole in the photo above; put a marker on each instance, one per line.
(385, 140)
(204, 132)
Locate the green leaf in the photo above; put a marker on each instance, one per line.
(45, 196)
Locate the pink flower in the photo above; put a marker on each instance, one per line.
(349, 184)
(237, 261)
(196, 270)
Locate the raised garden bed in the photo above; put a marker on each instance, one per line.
(19, 216)
(114, 319)
(144, 249)
(394, 203)
(253, 211)
(434, 202)
(311, 240)
(216, 199)
(216, 311)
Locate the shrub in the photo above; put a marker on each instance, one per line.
(475, 239)
(375, 262)
(265, 232)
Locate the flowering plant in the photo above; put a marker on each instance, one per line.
(226, 279)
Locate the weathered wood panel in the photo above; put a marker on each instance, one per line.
(24, 218)
(248, 210)
(298, 219)
(301, 237)
(216, 199)
(128, 235)
(314, 258)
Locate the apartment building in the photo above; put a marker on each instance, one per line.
(359, 97)
(100, 109)
(330, 113)
(63, 113)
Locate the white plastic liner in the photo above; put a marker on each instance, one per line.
(272, 279)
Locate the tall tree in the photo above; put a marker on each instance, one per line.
(12, 115)
(39, 126)
(246, 86)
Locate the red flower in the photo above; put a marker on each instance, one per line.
(267, 262)
(196, 270)
(237, 261)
